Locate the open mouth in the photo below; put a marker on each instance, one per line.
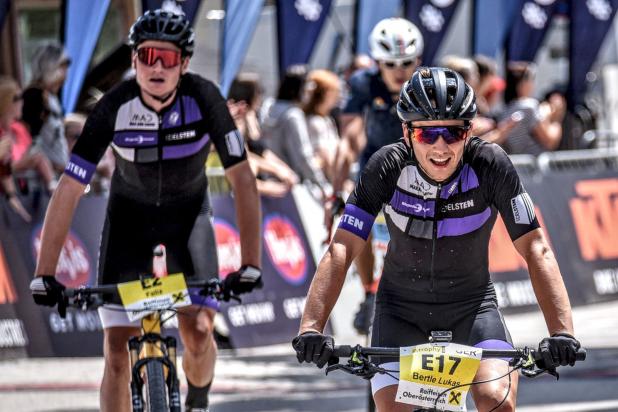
(440, 162)
(157, 80)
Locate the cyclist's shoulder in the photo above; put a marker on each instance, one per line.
(363, 79)
(487, 159)
(192, 84)
(118, 95)
(392, 156)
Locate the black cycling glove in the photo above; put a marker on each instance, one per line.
(313, 347)
(244, 280)
(559, 350)
(47, 291)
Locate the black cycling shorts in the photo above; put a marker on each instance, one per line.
(132, 230)
(401, 321)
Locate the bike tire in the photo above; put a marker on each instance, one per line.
(155, 387)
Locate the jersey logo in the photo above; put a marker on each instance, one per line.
(142, 119)
(449, 207)
(523, 209)
(235, 144)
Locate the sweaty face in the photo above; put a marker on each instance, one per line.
(439, 159)
(157, 80)
(395, 74)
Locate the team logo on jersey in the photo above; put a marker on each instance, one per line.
(379, 103)
(228, 247)
(74, 264)
(174, 117)
(285, 248)
(523, 209)
(142, 119)
(235, 144)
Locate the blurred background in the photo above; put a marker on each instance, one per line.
(566, 49)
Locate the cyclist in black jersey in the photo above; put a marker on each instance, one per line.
(441, 192)
(370, 114)
(161, 125)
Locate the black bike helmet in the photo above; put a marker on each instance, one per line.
(164, 26)
(436, 93)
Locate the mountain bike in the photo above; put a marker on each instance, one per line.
(430, 369)
(154, 378)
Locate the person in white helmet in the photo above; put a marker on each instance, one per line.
(369, 119)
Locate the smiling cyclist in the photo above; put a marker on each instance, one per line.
(441, 191)
(161, 125)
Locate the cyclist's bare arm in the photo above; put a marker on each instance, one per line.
(57, 222)
(547, 281)
(328, 280)
(351, 144)
(248, 212)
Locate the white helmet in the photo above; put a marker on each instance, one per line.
(395, 39)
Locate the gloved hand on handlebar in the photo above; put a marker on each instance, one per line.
(244, 280)
(47, 291)
(559, 350)
(313, 347)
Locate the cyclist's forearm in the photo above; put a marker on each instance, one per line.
(57, 222)
(248, 213)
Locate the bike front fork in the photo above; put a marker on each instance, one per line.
(168, 346)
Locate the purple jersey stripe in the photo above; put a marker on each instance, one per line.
(462, 225)
(80, 169)
(402, 202)
(192, 110)
(468, 180)
(135, 139)
(357, 221)
(184, 150)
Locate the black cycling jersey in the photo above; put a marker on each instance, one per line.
(370, 98)
(439, 232)
(160, 157)
(158, 190)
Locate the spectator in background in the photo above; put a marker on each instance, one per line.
(42, 111)
(274, 177)
(10, 102)
(487, 78)
(284, 129)
(536, 131)
(323, 94)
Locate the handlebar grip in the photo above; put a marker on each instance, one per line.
(581, 354)
(342, 351)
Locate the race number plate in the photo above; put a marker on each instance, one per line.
(141, 297)
(428, 370)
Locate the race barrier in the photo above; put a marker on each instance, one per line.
(578, 209)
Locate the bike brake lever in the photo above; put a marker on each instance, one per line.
(538, 372)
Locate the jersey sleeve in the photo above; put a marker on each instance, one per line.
(97, 134)
(508, 195)
(227, 139)
(374, 188)
(358, 94)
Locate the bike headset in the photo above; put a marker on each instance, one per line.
(165, 26)
(435, 93)
(395, 40)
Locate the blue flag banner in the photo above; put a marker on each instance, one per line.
(368, 14)
(491, 24)
(83, 24)
(432, 17)
(590, 22)
(241, 17)
(5, 6)
(299, 24)
(531, 21)
(190, 7)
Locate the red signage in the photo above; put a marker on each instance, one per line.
(285, 248)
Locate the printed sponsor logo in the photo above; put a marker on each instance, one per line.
(75, 321)
(418, 208)
(12, 333)
(143, 119)
(523, 209)
(174, 117)
(228, 247)
(293, 307)
(515, 293)
(420, 186)
(251, 314)
(76, 170)
(74, 264)
(139, 139)
(285, 248)
(606, 281)
(188, 134)
(595, 217)
(458, 206)
(352, 221)
(235, 144)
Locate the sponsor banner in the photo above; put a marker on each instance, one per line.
(272, 314)
(590, 23)
(432, 17)
(299, 24)
(532, 18)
